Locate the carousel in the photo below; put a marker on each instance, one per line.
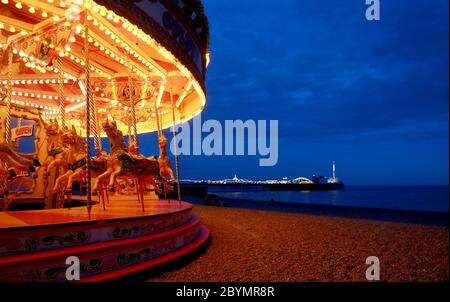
(79, 81)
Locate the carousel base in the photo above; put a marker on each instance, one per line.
(110, 244)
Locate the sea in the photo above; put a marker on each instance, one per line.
(411, 198)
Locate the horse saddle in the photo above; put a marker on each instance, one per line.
(55, 151)
(78, 164)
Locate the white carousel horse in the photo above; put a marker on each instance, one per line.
(55, 147)
(74, 157)
(126, 164)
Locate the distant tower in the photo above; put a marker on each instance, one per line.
(334, 179)
(334, 170)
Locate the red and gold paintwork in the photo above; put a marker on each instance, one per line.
(110, 244)
(125, 40)
(160, 48)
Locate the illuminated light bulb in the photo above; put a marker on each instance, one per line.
(62, 4)
(19, 5)
(5, 1)
(32, 10)
(110, 17)
(44, 14)
(102, 13)
(12, 29)
(56, 18)
(50, 1)
(68, 48)
(2, 25)
(72, 39)
(116, 20)
(23, 32)
(96, 9)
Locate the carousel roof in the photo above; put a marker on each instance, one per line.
(47, 37)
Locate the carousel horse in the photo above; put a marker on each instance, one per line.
(122, 163)
(55, 146)
(75, 161)
(15, 159)
(165, 169)
(74, 157)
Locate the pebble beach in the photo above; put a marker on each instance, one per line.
(259, 245)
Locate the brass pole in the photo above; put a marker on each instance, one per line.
(88, 117)
(62, 109)
(177, 164)
(8, 99)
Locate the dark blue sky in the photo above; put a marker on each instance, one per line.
(371, 95)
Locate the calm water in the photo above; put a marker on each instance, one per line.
(417, 198)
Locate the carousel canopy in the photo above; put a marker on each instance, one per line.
(142, 54)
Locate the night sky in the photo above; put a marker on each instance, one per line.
(373, 96)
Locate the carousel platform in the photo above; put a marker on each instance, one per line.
(110, 244)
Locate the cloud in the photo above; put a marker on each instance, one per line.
(331, 77)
